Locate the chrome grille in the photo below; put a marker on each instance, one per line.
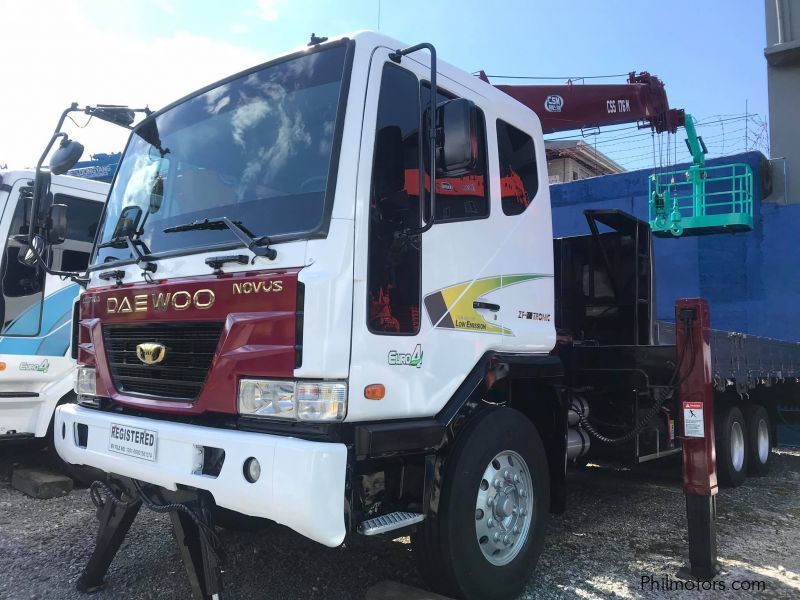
(180, 376)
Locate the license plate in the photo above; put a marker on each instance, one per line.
(132, 441)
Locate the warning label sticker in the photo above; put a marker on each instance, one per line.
(693, 419)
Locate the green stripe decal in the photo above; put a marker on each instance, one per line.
(451, 307)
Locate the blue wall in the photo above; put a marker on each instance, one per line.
(751, 280)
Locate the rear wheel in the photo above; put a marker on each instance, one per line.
(758, 438)
(493, 509)
(731, 446)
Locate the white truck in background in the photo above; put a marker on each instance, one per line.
(36, 369)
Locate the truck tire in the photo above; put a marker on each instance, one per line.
(731, 446)
(758, 439)
(493, 508)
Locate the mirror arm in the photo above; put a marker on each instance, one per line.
(142, 260)
(99, 112)
(396, 56)
(81, 280)
(57, 133)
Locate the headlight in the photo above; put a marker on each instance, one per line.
(86, 381)
(264, 398)
(302, 400)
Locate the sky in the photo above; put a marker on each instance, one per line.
(709, 53)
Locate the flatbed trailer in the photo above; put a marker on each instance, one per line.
(747, 363)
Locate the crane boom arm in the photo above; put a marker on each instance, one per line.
(577, 106)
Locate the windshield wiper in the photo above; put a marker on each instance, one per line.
(143, 259)
(257, 245)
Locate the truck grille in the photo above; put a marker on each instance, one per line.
(180, 376)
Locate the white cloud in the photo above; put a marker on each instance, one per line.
(166, 6)
(67, 58)
(266, 10)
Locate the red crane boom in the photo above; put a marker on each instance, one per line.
(577, 106)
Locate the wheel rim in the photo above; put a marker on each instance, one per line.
(504, 508)
(763, 441)
(737, 446)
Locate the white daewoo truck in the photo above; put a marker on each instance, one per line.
(36, 371)
(324, 296)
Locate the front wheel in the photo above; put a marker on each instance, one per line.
(494, 504)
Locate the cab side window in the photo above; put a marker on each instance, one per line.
(83, 217)
(22, 285)
(393, 263)
(463, 196)
(519, 180)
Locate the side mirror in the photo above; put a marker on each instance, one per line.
(57, 224)
(29, 257)
(64, 158)
(457, 146)
(128, 222)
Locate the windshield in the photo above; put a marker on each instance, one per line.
(256, 149)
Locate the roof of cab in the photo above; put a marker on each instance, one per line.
(8, 178)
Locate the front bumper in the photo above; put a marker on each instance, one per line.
(302, 483)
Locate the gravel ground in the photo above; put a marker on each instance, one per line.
(621, 525)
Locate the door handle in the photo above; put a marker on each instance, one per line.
(486, 305)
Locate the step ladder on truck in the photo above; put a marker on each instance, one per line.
(37, 372)
(366, 327)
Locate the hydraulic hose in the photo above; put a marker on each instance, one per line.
(662, 395)
(98, 489)
(651, 412)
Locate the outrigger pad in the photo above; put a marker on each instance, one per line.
(116, 513)
(118, 502)
(199, 546)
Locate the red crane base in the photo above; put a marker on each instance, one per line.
(696, 394)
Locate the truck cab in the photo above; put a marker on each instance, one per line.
(283, 313)
(36, 369)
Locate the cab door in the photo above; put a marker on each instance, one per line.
(424, 305)
(23, 286)
(34, 305)
(528, 295)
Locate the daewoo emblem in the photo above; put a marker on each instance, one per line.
(151, 353)
(180, 300)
